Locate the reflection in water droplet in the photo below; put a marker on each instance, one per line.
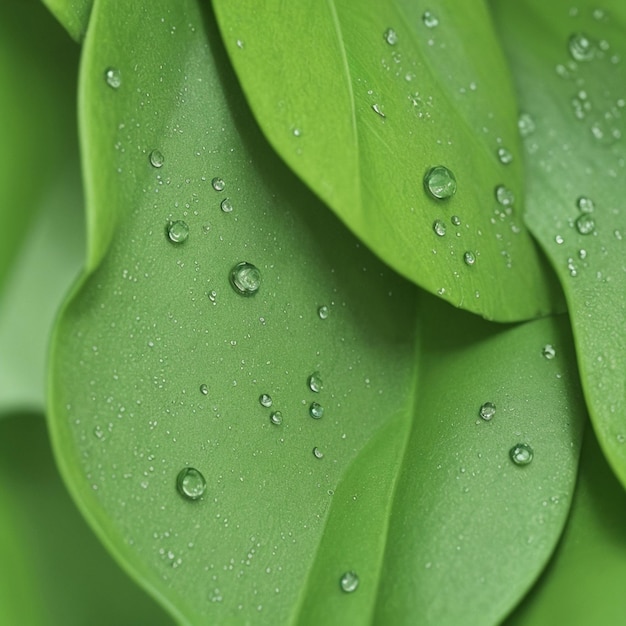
(505, 156)
(265, 400)
(469, 258)
(317, 453)
(581, 47)
(391, 37)
(440, 182)
(548, 351)
(585, 224)
(439, 227)
(323, 312)
(156, 158)
(315, 382)
(113, 77)
(218, 184)
(245, 278)
(226, 205)
(585, 204)
(430, 19)
(521, 454)
(276, 417)
(204, 390)
(316, 410)
(487, 411)
(178, 231)
(504, 195)
(349, 582)
(190, 483)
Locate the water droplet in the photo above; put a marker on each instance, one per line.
(430, 19)
(504, 195)
(391, 37)
(213, 296)
(226, 205)
(548, 351)
(440, 182)
(585, 224)
(218, 184)
(266, 400)
(439, 227)
(323, 312)
(526, 125)
(315, 382)
(204, 390)
(276, 417)
(487, 411)
(469, 258)
(245, 278)
(316, 410)
(178, 231)
(456, 220)
(349, 582)
(376, 108)
(585, 204)
(190, 483)
(505, 156)
(156, 158)
(113, 77)
(581, 47)
(317, 453)
(521, 454)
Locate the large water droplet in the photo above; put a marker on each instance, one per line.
(469, 258)
(487, 411)
(548, 351)
(317, 453)
(504, 156)
(204, 390)
(265, 400)
(178, 231)
(316, 410)
(439, 227)
(226, 205)
(504, 195)
(430, 19)
(276, 417)
(315, 382)
(440, 182)
(156, 158)
(349, 582)
(585, 224)
(323, 312)
(521, 454)
(581, 47)
(585, 204)
(245, 278)
(391, 37)
(218, 184)
(113, 77)
(190, 483)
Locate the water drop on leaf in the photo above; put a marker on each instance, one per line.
(218, 184)
(178, 231)
(265, 400)
(315, 382)
(349, 582)
(190, 483)
(245, 278)
(316, 410)
(521, 454)
(113, 77)
(440, 182)
(156, 158)
(487, 411)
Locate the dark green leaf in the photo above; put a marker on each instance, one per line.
(72, 14)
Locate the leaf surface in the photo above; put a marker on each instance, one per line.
(159, 363)
(72, 14)
(578, 150)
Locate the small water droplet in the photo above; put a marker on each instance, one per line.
(391, 37)
(469, 258)
(113, 77)
(178, 231)
(156, 158)
(585, 204)
(559, 239)
(349, 582)
(377, 109)
(430, 19)
(504, 156)
(548, 351)
(487, 411)
(213, 296)
(585, 224)
(323, 312)
(521, 454)
(439, 227)
(440, 182)
(245, 278)
(266, 400)
(190, 483)
(317, 453)
(204, 390)
(526, 125)
(581, 47)
(226, 205)
(504, 196)
(218, 184)
(276, 417)
(456, 220)
(315, 382)
(316, 410)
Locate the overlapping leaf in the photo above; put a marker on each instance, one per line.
(159, 364)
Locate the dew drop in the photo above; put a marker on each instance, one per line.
(113, 77)
(487, 411)
(218, 184)
(526, 125)
(391, 37)
(430, 19)
(504, 196)
(376, 108)
(190, 483)
(323, 312)
(156, 158)
(265, 400)
(317, 453)
(580, 47)
(585, 204)
(276, 417)
(204, 390)
(504, 156)
(440, 182)
(439, 227)
(245, 278)
(548, 352)
(456, 220)
(585, 224)
(315, 382)
(349, 582)
(521, 454)
(469, 258)
(316, 411)
(178, 231)
(226, 205)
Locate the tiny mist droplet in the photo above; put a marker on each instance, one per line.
(548, 352)
(487, 411)
(204, 390)
(315, 382)
(317, 453)
(440, 182)
(178, 231)
(245, 278)
(113, 77)
(156, 158)
(316, 411)
(226, 205)
(276, 417)
(323, 312)
(349, 582)
(265, 400)
(521, 454)
(218, 184)
(190, 483)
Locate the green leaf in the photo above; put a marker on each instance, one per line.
(54, 572)
(400, 483)
(589, 566)
(41, 239)
(315, 73)
(72, 14)
(577, 151)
